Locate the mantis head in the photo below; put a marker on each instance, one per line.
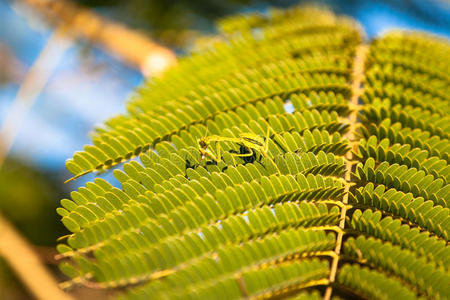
(203, 143)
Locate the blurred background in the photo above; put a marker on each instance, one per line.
(68, 84)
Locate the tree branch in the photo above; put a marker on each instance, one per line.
(131, 46)
(27, 265)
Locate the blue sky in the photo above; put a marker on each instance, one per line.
(83, 91)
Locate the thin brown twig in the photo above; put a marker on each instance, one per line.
(131, 46)
(27, 265)
(358, 74)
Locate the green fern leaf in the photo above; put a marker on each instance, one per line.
(348, 197)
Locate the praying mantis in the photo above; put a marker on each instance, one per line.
(250, 144)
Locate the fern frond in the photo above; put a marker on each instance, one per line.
(425, 276)
(348, 196)
(372, 284)
(404, 155)
(415, 210)
(391, 229)
(408, 180)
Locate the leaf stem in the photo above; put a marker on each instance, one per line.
(357, 76)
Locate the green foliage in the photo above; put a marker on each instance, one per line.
(273, 226)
